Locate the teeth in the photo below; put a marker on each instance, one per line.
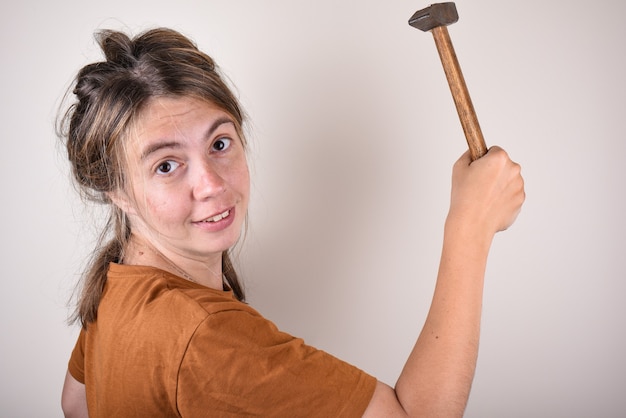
(219, 217)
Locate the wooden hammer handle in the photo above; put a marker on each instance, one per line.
(460, 94)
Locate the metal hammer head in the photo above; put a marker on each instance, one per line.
(439, 14)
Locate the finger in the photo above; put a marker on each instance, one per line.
(465, 159)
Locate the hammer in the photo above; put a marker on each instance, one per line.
(435, 19)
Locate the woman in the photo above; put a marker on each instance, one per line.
(157, 135)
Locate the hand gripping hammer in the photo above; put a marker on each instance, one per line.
(435, 19)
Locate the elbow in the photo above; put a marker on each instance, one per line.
(68, 410)
(73, 409)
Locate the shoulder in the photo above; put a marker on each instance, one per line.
(238, 351)
(151, 305)
(144, 286)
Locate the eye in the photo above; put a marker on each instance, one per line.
(221, 144)
(167, 167)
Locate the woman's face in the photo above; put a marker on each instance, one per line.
(188, 185)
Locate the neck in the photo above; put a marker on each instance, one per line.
(140, 251)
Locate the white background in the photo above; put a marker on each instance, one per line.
(354, 134)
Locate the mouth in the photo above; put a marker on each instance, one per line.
(217, 217)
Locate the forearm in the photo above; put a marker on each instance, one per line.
(487, 195)
(437, 377)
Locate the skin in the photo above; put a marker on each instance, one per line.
(186, 165)
(435, 382)
(486, 198)
(74, 398)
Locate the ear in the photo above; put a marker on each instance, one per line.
(121, 199)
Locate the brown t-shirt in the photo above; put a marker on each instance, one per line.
(165, 347)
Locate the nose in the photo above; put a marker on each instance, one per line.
(207, 181)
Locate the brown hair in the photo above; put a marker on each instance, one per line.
(109, 97)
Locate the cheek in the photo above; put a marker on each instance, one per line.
(243, 183)
(160, 209)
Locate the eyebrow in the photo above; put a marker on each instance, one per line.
(174, 144)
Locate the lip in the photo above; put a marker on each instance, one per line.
(217, 225)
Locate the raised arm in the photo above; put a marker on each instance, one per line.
(486, 198)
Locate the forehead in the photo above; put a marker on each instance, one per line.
(173, 118)
(167, 113)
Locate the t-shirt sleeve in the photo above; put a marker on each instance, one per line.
(240, 364)
(76, 365)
